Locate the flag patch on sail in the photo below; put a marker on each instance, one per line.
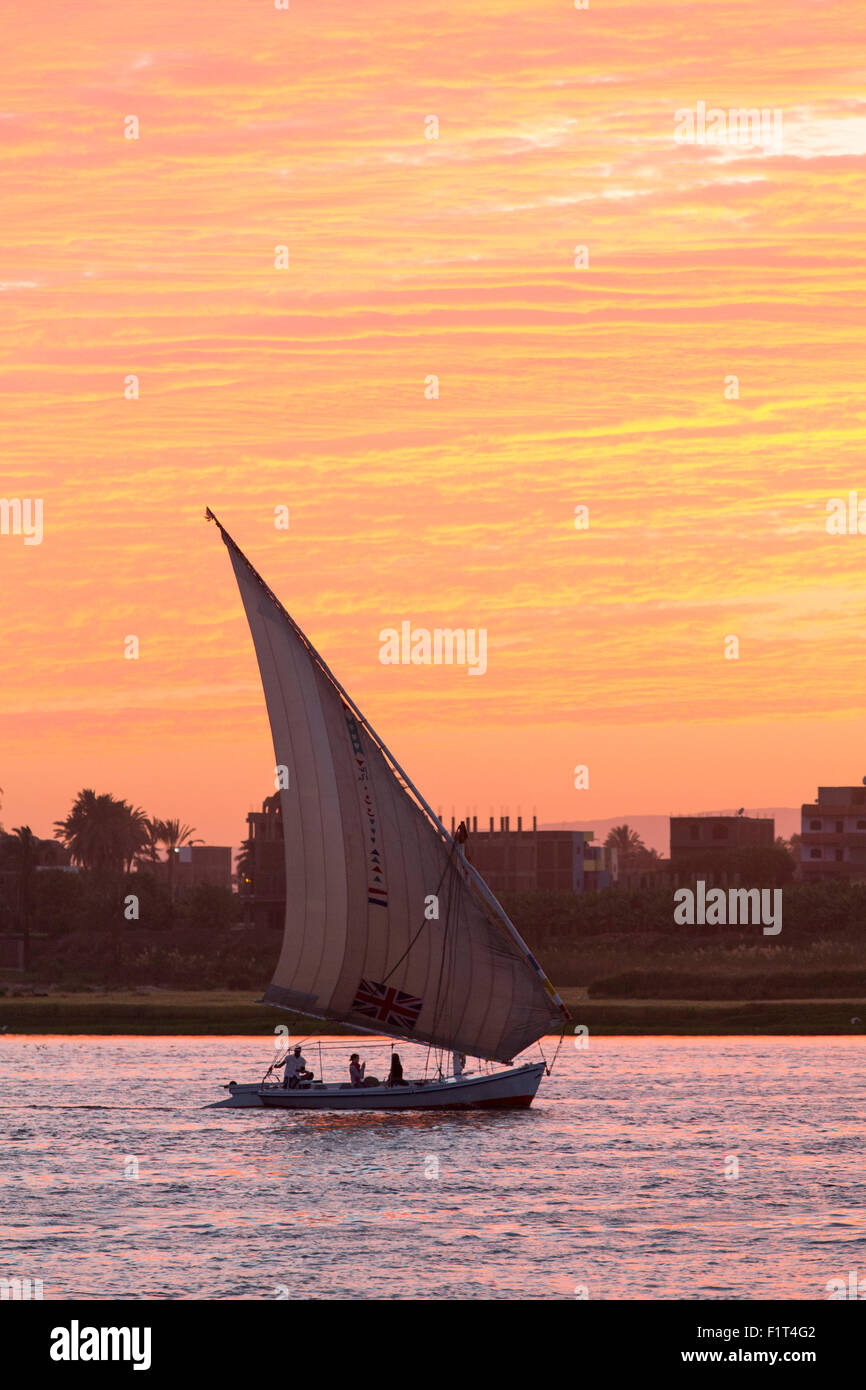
(387, 1005)
(377, 892)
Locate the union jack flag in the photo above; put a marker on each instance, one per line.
(387, 1005)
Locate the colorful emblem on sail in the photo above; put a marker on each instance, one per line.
(387, 1005)
(377, 892)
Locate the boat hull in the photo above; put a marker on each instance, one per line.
(512, 1089)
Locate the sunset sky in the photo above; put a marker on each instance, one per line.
(304, 387)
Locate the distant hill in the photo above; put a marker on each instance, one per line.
(655, 830)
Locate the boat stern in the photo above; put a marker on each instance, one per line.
(238, 1098)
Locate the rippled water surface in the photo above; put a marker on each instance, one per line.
(615, 1180)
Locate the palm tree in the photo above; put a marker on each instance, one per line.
(173, 834)
(102, 833)
(150, 849)
(627, 841)
(84, 831)
(133, 832)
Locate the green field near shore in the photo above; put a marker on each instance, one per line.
(228, 1012)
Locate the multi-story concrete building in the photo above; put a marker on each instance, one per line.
(833, 841)
(636, 876)
(511, 861)
(531, 860)
(194, 864)
(203, 864)
(262, 883)
(695, 836)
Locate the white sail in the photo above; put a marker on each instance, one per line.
(387, 928)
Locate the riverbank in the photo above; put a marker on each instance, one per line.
(228, 1012)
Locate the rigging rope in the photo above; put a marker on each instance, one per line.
(445, 941)
(549, 1069)
(424, 923)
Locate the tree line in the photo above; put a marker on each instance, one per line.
(104, 836)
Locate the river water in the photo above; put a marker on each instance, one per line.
(654, 1168)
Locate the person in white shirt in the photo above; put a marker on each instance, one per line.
(356, 1070)
(459, 1062)
(296, 1069)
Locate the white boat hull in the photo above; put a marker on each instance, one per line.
(514, 1088)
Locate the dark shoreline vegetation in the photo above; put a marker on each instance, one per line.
(163, 1013)
(612, 951)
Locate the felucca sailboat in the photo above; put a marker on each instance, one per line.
(389, 929)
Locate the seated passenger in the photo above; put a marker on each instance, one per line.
(356, 1070)
(395, 1075)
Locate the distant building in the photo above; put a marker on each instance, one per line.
(693, 837)
(511, 861)
(532, 860)
(262, 884)
(833, 841)
(204, 864)
(49, 854)
(638, 876)
(194, 864)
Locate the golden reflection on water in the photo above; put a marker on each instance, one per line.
(614, 1179)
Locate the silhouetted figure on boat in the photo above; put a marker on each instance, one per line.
(395, 1075)
(296, 1069)
(356, 1070)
